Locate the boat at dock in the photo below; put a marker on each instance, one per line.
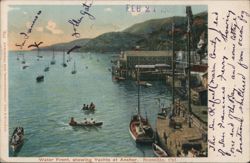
(140, 130)
(139, 127)
(17, 139)
(158, 151)
(144, 83)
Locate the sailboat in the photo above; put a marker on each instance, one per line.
(38, 56)
(64, 64)
(17, 56)
(74, 69)
(139, 127)
(46, 68)
(69, 58)
(53, 61)
(23, 61)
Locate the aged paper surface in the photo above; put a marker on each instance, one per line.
(117, 58)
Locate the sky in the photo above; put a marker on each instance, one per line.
(52, 26)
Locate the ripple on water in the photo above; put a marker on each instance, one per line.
(44, 109)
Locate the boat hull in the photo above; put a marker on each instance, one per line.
(145, 135)
(16, 145)
(97, 124)
(158, 151)
(40, 79)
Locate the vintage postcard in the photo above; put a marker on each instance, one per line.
(124, 81)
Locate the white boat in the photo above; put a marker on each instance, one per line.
(144, 83)
(158, 151)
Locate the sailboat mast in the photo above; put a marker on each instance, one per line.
(138, 86)
(53, 55)
(189, 19)
(173, 68)
(63, 56)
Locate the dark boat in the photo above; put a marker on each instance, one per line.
(158, 151)
(17, 139)
(25, 66)
(74, 69)
(40, 78)
(53, 61)
(85, 124)
(139, 127)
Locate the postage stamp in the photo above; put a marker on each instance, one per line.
(124, 81)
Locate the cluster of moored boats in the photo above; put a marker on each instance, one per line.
(40, 78)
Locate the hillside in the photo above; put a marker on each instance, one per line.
(155, 34)
(66, 45)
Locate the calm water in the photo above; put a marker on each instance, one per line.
(44, 109)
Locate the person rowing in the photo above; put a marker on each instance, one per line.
(84, 106)
(92, 121)
(92, 106)
(72, 121)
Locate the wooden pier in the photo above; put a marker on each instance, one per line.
(182, 129)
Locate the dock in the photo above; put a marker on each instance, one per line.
(182, 131)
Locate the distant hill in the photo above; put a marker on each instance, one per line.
(112, 42)
(155, 34)
(66, 45)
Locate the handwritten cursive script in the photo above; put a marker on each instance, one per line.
(25, 35)
(228, 82)
(85, 12)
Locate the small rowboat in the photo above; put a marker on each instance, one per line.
(87, 124)
(17, 139)
(158, 151)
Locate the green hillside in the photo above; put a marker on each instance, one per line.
(155, 34)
